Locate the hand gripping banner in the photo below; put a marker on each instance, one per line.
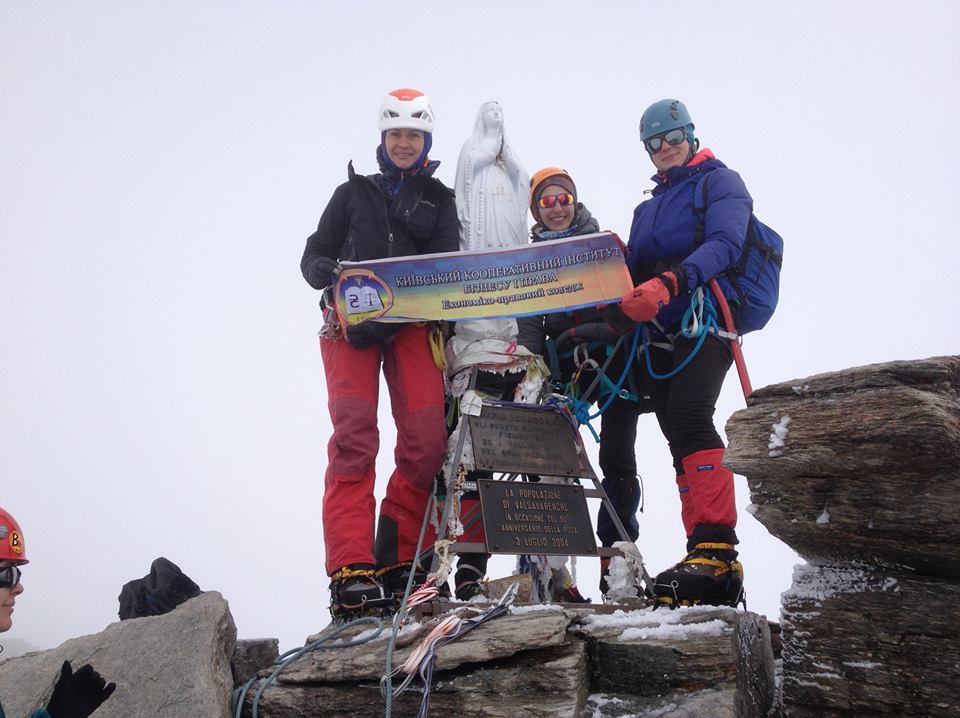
(539, 278)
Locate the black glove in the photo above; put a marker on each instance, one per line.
(324, 272)
(368, 334)
(79, 694)
(617, 319)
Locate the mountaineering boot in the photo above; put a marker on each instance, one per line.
(709, 575)
(394, 579)
(355, 591)
(470, 572)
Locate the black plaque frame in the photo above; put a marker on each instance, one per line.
(536, 518)
(527, 439)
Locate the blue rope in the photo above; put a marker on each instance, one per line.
(701, 304)
(581, 409)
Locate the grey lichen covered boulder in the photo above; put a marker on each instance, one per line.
(643, 662)
(858, 465)
(175, 665)
(859, 471)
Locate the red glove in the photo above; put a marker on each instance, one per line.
(646, 300)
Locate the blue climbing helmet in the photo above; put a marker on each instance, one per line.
(663, 116)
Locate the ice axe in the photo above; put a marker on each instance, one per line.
(734, 341)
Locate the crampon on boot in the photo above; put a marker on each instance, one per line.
(395, 578)
(356, 592)
(709, 575)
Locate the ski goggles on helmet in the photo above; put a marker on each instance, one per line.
(549, 200)
(9, 576)
(673, 137)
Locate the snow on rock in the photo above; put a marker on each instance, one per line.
(778, 438)
(534, 608)
(676, 632)
(646, 623)
(818, 582)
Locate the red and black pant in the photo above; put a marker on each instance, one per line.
(685, 405)
(416, 398)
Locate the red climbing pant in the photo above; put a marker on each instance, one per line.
(416, 397)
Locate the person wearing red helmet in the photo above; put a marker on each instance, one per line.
(75, 694)
(403, 210)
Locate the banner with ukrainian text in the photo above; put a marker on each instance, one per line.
(540, 278)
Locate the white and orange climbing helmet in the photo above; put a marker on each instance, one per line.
(12, 547)
(406, 108)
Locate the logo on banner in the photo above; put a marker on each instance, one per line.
(363, 295)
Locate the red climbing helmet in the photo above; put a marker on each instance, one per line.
(12, 547)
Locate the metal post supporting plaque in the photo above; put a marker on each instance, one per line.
(531, 516)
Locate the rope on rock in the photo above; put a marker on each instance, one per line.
(240, 693)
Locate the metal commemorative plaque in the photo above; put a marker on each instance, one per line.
(536, 518)
(527, 439)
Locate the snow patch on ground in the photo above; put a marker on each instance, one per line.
(778, 439)
(862, 664)
(596, 702)
(751, 509)
(824, 518)
(520, 610)
(716, 627)
(645, 623)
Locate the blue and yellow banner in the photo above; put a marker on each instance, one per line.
(550, 276)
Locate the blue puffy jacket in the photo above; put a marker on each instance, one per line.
(664, 228)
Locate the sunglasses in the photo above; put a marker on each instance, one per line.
(673, 137)
(9, 576)
(548, 200)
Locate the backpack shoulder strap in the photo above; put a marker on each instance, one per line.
(700, 209)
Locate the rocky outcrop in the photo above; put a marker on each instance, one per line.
(859, 471)
(173, 665)
(550, 661)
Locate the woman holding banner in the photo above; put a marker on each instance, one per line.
(673, 256)
(558, 213)
(402, 210)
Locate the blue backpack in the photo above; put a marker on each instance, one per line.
(756, 275)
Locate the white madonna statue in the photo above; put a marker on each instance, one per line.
(492, 187)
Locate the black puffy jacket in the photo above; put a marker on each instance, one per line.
(362, 222)
(532, 331)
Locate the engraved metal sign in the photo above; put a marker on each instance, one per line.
(536, 518)
(525, 439)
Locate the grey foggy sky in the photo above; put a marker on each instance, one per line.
(161, 165)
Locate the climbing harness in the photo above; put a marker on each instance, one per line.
(580, 407)
(435, 337)
(700, 319)
(331, 329)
